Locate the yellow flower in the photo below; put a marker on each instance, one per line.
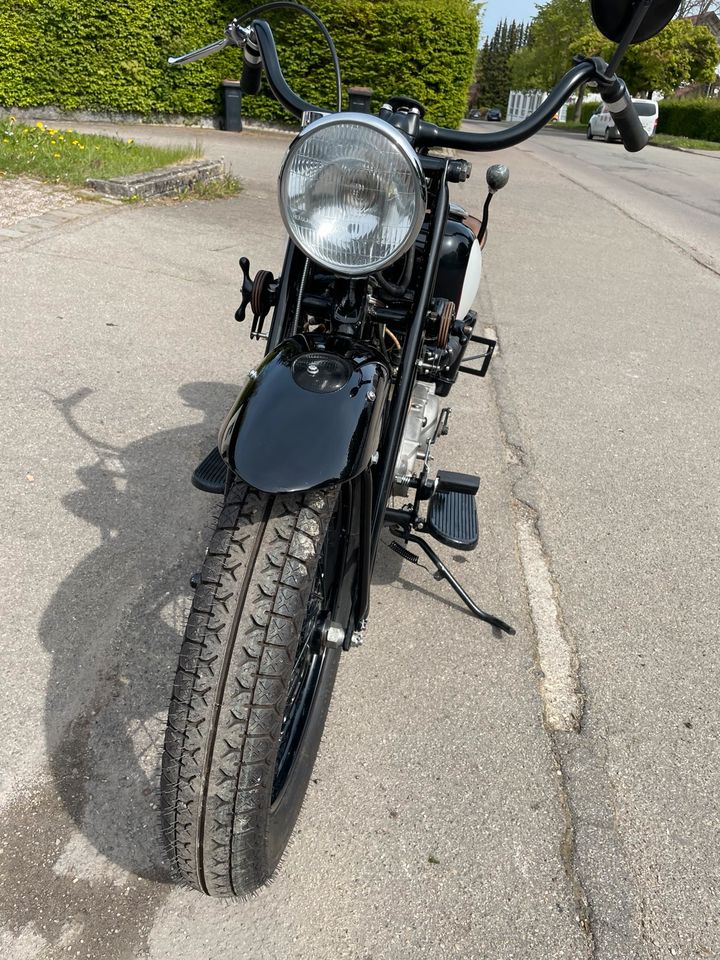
(62, 138)
(40, 125)
(52, 141)
(131, 141)
(5, 140)
(56, 155)
(75, 142)
(12, 119)
(82, 146)
(52, 132)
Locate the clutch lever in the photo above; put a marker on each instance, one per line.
(235, 36)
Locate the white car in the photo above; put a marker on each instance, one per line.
(601, 122)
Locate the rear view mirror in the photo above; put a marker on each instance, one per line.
(613, 17)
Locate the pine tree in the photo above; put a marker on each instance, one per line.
(493, 74)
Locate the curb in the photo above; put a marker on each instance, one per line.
(158, 183)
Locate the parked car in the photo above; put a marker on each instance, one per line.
(494, 114)
(601, 123)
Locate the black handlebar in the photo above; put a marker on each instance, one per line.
(251, 77)
(625, 115)
(278, 84)
(432, 136)
(261, 53)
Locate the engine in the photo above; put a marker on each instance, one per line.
(420, 428)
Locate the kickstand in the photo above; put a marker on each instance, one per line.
(444, 574)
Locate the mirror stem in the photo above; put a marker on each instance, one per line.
(642, 11)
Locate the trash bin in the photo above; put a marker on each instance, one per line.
(232, 105)
(359, 99)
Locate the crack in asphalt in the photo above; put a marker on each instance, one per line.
(609, 904)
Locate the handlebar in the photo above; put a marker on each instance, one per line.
(624, 113)
(261, 53)
(251, 77)
(432, 136)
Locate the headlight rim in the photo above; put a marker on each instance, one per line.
(409, 154)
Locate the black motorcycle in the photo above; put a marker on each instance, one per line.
(371, 326)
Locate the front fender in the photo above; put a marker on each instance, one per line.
(310, 417)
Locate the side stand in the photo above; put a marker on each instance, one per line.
(444, 574)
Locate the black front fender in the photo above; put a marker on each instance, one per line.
(311, 415)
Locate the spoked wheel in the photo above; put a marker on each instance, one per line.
(253, 687)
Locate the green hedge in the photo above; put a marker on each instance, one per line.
(100, 55)
(698, 119)
(588, 109)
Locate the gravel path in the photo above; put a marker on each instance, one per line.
(21, 198)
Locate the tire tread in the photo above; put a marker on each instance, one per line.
(231, 684)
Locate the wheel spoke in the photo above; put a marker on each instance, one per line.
(309, 659)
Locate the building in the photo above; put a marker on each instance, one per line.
(712, 22)
(521, 103)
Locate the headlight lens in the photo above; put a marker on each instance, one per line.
(352, 193)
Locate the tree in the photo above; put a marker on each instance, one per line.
(681, 53)
(541, 63)
(697, 8)
(492, 71)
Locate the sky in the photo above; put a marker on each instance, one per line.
(497, 10)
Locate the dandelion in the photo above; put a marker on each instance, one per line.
(40, 125)
(75, 143)
(53, 142)
(57, 155)
(82, 146)
(5, 140)
(131, 141)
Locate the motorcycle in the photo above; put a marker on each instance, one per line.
(372, 321)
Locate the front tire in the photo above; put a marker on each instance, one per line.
(589, 133)
(252, 689)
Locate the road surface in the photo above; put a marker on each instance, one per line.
(550, 795)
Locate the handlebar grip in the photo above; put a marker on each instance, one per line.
(251, 77)
(625, 115)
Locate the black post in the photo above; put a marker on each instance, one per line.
(232, 105)
(359, 99)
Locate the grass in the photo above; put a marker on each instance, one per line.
(225, 186)
(683, 143)
(568, 125)
(63, 156)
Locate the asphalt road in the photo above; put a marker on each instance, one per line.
(447, 818)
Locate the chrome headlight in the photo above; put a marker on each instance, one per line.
(352, 193)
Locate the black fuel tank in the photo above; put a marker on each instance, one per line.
(457, 244)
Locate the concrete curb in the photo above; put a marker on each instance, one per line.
(158, 183)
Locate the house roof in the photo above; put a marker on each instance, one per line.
(709, 20)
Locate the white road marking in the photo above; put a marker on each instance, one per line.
(491, 334)
(559, 682)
